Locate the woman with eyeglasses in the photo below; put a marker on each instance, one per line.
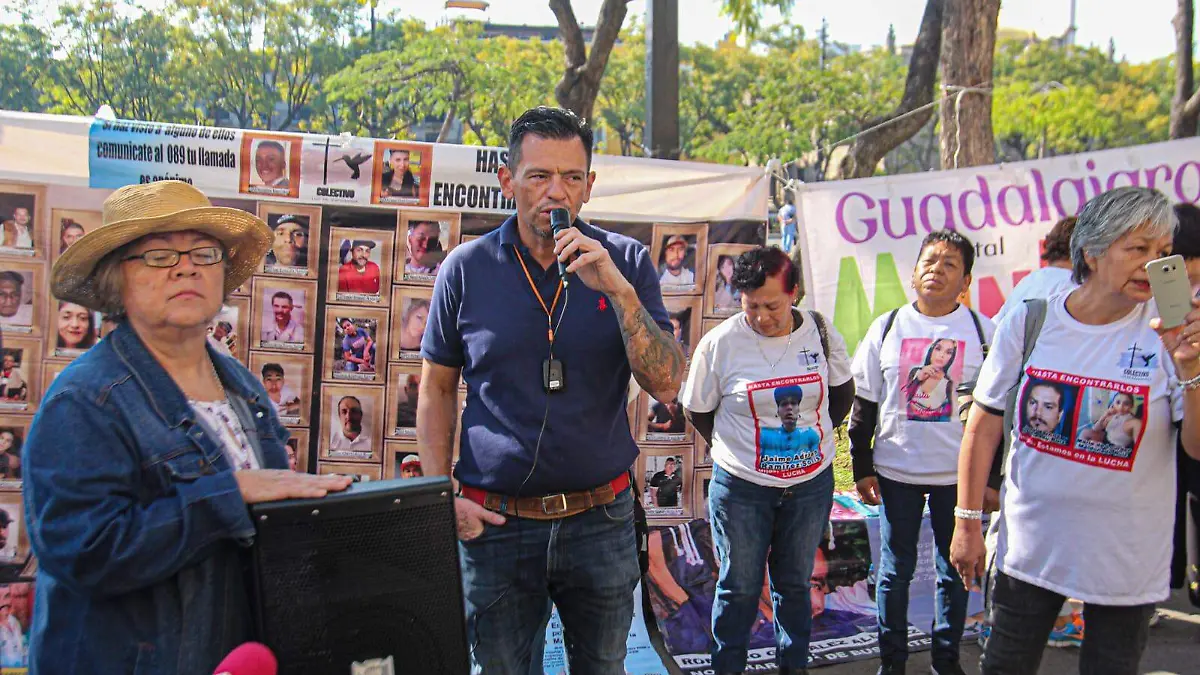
(146, 449)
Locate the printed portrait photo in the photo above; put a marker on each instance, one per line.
(663, 485)
(428, 239)
(16, 620)
(703, 456)
(684, 312)
(20, 215)
(931, 370)
(400, 460)
(13, 431)
(51, 370)
(297, 450)
(20, 302)
(701, 477)
(68, 226)
(404, 170)
(288, 381)
(721, 299)
(1110, 425)
(1047, 411)
(271, 164)
(73, 329)
(360, 266)
(14, 540)
(359, 473)
(295, 237)
(356, 342)
(403, 384)
(20, 374)
(227, 330)
(679, 253)
(410, 312)
(789, 432)
(663, 421)
(284, 314)
(352, 423)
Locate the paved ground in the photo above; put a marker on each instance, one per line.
(1174, 650)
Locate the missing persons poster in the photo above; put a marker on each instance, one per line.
(682, 586)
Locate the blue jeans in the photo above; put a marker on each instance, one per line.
(748, 520)
(789, 239)
(586, 565)
(899, 532)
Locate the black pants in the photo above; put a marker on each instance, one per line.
(1023, 616)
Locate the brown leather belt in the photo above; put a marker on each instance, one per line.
(548, 507)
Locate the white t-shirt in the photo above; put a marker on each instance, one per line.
(1045, 282)
(919, 431)
(1085, 514)
(760, 434)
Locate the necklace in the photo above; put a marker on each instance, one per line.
(786, 349)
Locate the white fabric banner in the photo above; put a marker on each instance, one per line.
(862, 237)
(312, 168)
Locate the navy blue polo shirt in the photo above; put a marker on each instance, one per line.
(485, 319)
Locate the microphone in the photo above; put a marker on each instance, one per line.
(560, 220)
(250, 658)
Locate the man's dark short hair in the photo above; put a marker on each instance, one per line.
(752, 268)
(283, 294)
(547, 122)
(5, 519)
(1062, 397)
(274, 145)
(953, 238)
(13, 277)
(1187, 237)
(269, 368)
(1058, 241)
(355, 398)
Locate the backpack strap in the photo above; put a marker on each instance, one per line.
(823, 330)
(983, 345)
(1035, 317)
(887, 326)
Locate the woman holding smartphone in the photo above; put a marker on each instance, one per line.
(1084, 517)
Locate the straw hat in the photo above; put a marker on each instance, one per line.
(156, 208)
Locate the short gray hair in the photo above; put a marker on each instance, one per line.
(1111, 215)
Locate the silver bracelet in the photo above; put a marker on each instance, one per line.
(968, 514)
(1191, 384)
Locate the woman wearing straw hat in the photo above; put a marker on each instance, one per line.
(146, 449)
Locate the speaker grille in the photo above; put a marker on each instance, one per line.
(334, 589)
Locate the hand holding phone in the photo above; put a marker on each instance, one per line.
(1172, 290)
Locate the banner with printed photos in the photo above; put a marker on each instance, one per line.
(682, 581)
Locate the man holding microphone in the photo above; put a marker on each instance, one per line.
(545, 513)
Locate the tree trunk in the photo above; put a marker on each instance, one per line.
(864, 154)
(580, 82)
(1185, 106)
(968, 48)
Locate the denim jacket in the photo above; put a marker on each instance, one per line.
(135, 517)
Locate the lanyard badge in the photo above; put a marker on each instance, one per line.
(554, 374)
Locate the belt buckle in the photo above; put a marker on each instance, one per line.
(561, 497)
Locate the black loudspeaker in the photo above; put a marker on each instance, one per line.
(362, 575)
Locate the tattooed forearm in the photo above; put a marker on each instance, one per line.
(655, 357)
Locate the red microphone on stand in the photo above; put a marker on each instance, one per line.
(251, 658)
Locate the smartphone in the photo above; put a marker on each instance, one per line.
(1172, 290)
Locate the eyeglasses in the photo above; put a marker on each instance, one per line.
(202, 256)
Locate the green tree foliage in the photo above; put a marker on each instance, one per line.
(1051, 99)
(25, 61)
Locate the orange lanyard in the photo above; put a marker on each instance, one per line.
(549, 311)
